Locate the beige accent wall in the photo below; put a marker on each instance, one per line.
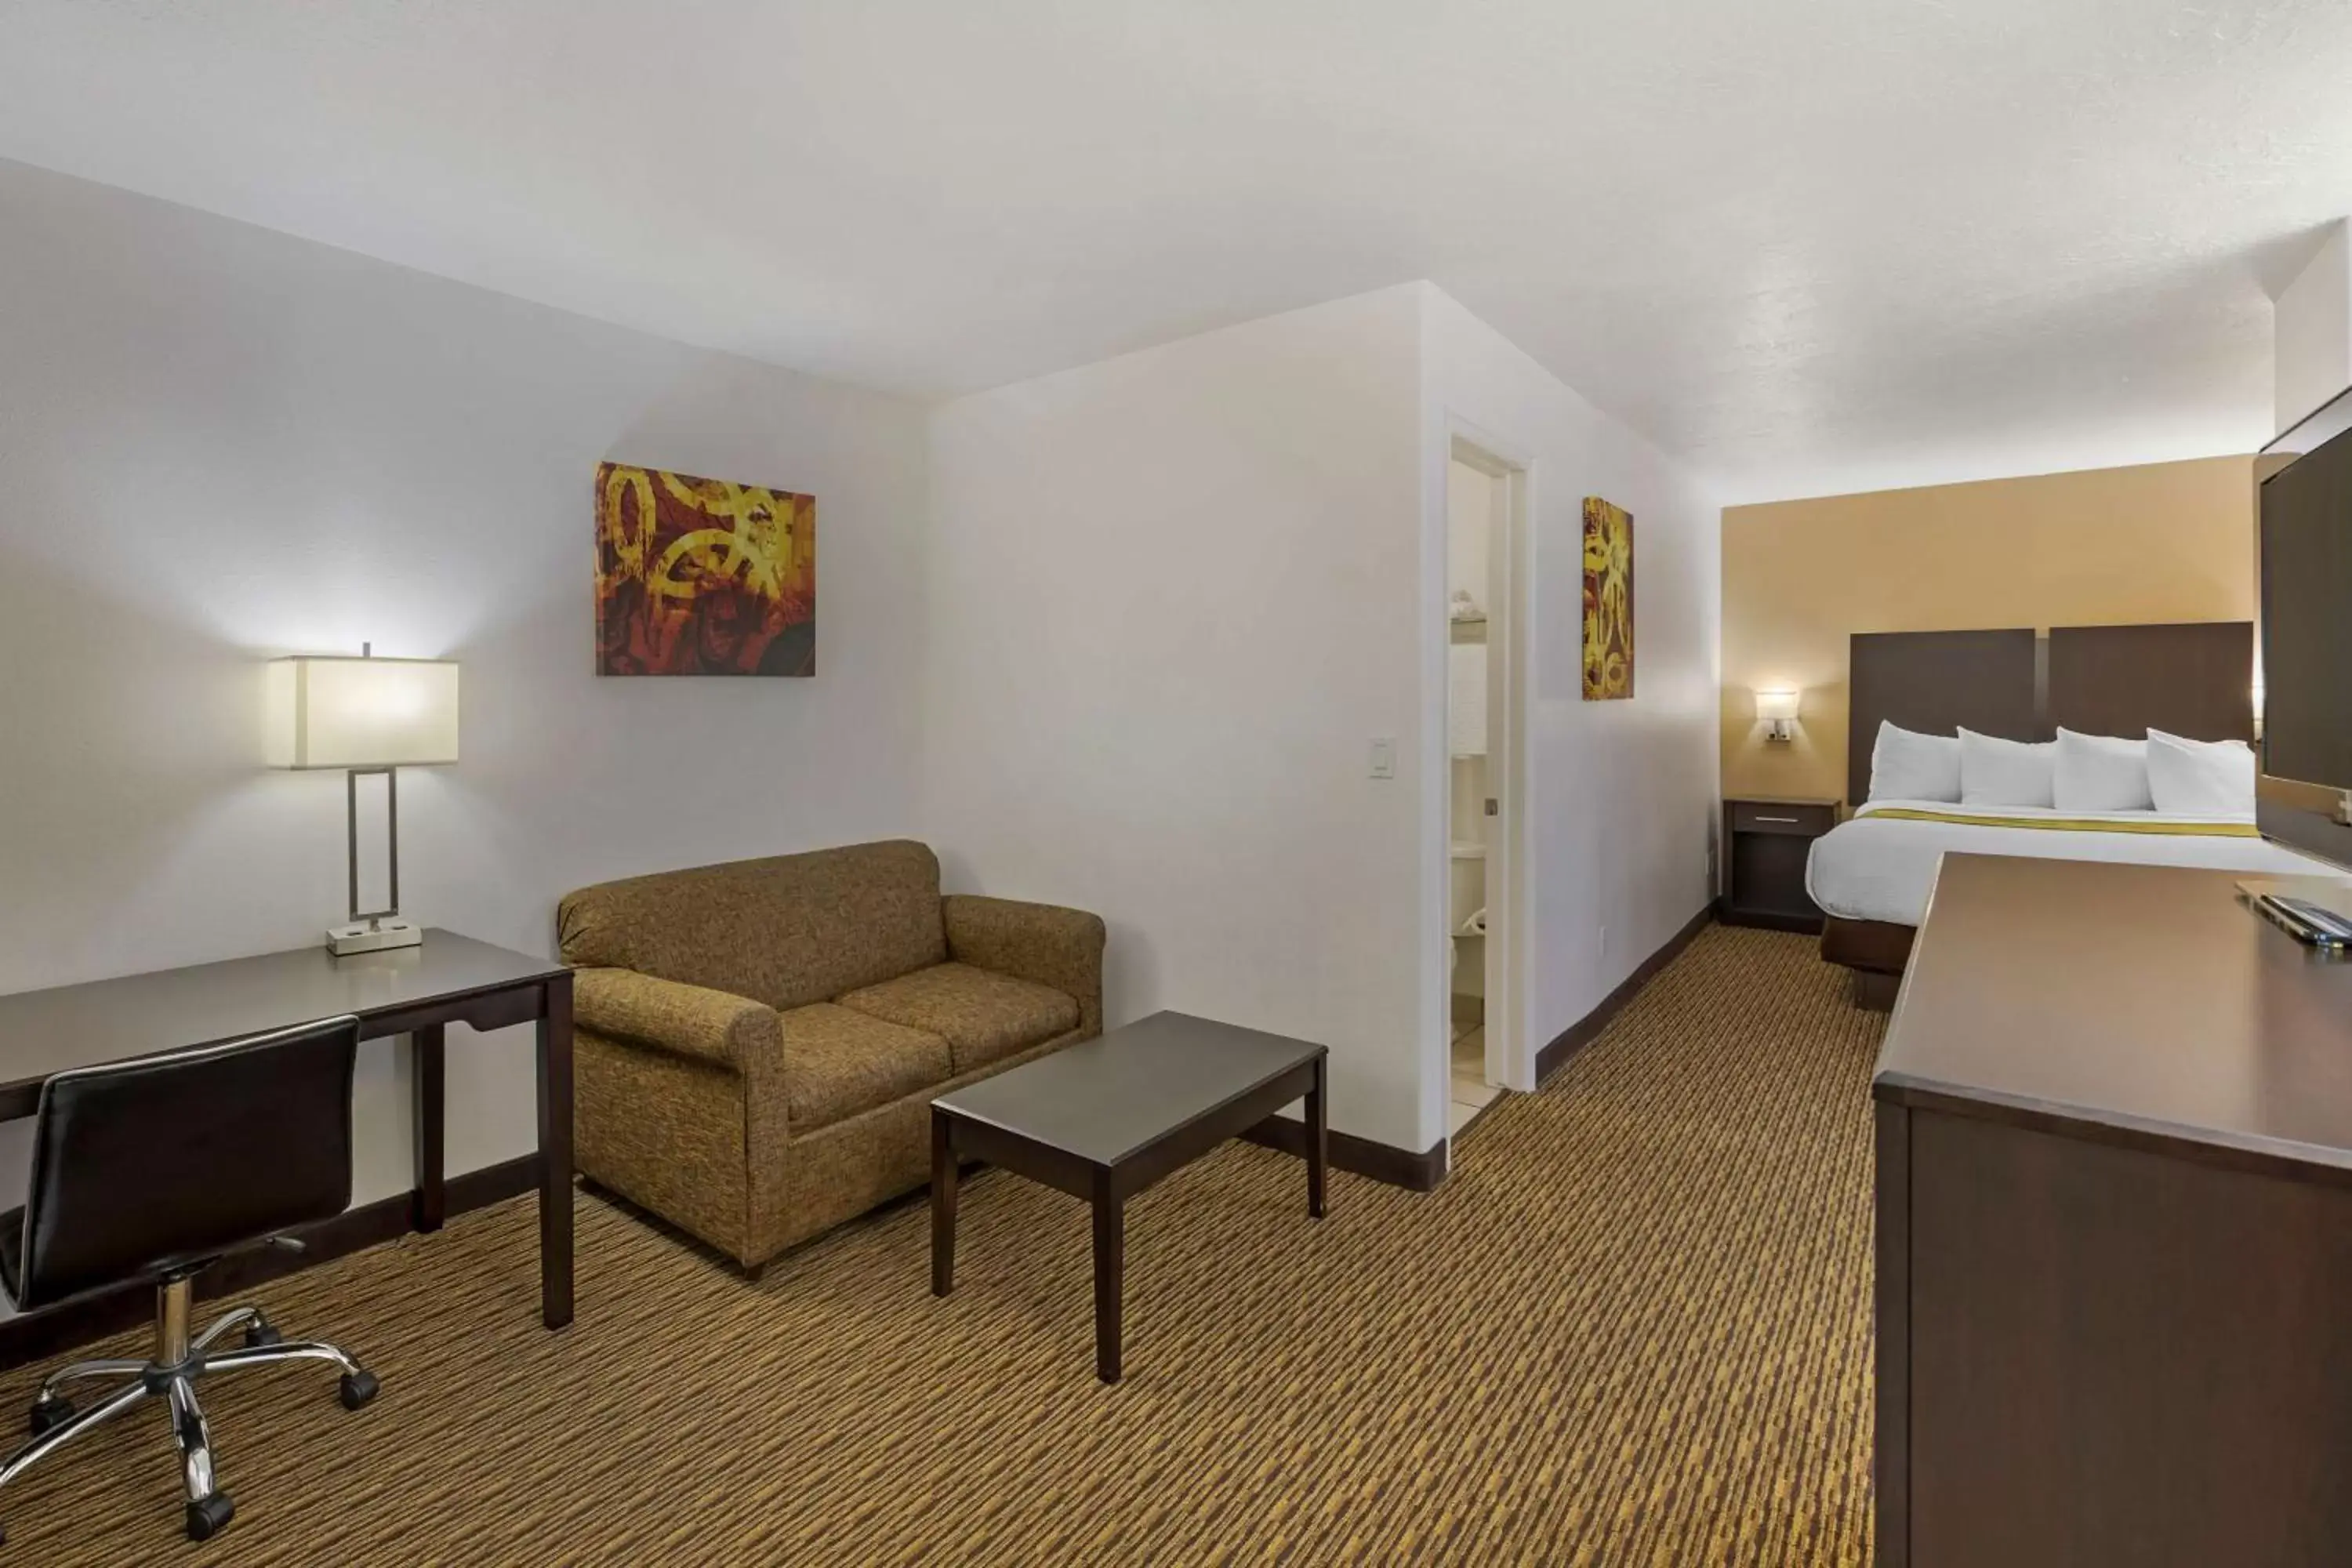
(2169, 542)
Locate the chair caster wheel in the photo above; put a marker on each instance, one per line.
(358, 1388)
(208, 1516)
(49, 1412)
(260, 1336)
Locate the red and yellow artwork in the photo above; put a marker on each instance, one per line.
(699, 576)
(1608, 601)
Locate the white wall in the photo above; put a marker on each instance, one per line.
(2312, 324)
(1173, 598)
(1618, 799)
(221, 443)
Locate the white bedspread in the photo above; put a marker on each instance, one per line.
(1872, 868)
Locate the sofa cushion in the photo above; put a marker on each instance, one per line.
(788, 931)
(838, 1062)
(983, 1016)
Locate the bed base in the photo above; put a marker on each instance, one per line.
(1875, 951)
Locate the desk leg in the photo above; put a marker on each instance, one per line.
(430, 1204)
(1318, 1139)
(1110, 1277)
(555, 1153)
(943, 1204)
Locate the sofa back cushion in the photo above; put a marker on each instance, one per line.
(788, 931)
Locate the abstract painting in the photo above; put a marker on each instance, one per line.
(699, 576)
(1608, 601)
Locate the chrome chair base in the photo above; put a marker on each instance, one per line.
(171, 1376)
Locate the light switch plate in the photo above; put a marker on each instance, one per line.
(1384, 759)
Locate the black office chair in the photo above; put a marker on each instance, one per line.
(151, 1171)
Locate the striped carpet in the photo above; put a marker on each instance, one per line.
(1633, 1327)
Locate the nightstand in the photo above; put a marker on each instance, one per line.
(1766, 841)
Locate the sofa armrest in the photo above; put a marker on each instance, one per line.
(684, 1020)
(1041, 943)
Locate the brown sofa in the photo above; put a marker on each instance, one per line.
(759, 1043)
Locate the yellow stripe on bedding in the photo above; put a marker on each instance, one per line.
(2073, 824)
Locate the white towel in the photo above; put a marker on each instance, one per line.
(1465, 699)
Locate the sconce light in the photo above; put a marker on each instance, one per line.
(1779, 711)
(2258, 711)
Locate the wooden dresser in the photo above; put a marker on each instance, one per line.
(2114, 1229)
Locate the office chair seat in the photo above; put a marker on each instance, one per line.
(144, 1173)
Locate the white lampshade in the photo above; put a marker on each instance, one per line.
(1771, 705)
(342, 713)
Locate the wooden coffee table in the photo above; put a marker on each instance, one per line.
(1106, 1119)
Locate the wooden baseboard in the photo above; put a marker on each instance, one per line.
(68, 1326)
(1360, 1156)
(1576, 1036)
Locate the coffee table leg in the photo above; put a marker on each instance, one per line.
(943, 1204)
(1110, 1271)
(1319, 1140)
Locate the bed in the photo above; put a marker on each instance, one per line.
(1880, 863)
(1871, 874)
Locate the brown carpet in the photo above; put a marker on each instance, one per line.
(1633, 1327)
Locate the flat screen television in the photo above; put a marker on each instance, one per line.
(2306, 596)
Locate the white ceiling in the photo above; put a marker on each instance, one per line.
(1811, 245)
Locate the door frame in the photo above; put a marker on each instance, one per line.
(1507, 562)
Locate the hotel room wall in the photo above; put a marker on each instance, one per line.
(2312, 331)
(1176, 595)
(2167, 542)
(1617, 799)
(221, 443)
(1173, 601)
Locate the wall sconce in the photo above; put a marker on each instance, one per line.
(1779, 711)
(2258, 711)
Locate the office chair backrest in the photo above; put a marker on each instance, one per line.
(145, 1166)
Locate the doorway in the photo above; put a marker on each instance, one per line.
(1485, 498)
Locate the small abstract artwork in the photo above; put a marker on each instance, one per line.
(699, 576)
(1608, 601)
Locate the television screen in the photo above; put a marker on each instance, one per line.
(2306, 589)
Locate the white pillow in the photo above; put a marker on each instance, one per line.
(1906, 766)
(2200, 778)
(2006, 773)
(2100, 772)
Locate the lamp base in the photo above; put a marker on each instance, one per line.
(364, 936)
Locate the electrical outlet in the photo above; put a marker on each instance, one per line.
(1383, 759)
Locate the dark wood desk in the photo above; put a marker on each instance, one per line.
(1104, 1119)
(2115, 1228)
(416, 991)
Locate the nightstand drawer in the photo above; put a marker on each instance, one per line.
(1807, 821)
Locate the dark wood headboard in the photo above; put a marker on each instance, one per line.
(2194, 678)
(1936, 682)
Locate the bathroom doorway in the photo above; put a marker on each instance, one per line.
(1485, 498)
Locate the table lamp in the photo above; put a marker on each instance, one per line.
(365, 715)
